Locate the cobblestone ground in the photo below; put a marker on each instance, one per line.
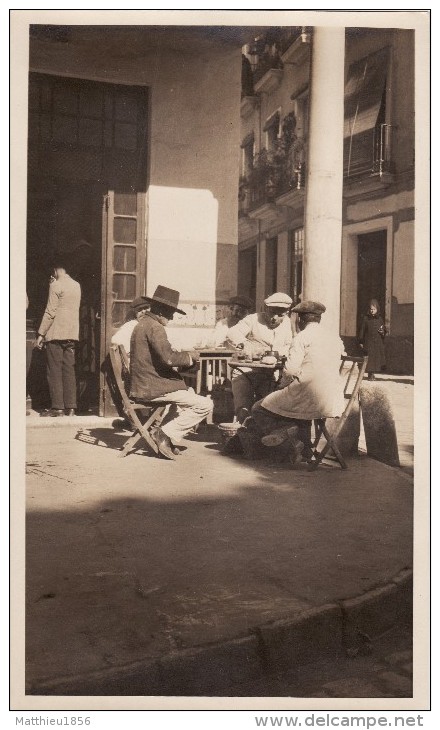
(385, 671)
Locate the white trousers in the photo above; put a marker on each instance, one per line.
(187, 409)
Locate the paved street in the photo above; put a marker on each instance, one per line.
(129, 560)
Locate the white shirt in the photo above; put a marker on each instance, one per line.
(123, 335)
(254, 327)
(317, 391)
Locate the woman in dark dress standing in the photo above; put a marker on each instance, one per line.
(371, 339)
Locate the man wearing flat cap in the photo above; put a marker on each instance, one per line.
(310, 387)
(239, 307)
(258, 333)
(153, 377)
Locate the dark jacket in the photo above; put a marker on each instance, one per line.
(152, 361)
(371, 337)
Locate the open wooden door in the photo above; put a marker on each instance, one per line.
(123, 272)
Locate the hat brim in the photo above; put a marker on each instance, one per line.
(159, 300)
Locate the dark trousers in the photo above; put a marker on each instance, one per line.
(61, 373)
(267, 421)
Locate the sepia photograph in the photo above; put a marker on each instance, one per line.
(216, 216)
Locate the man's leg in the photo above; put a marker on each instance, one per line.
(278, 430)
(69, 378)
(187, 410)
(54, 355)
(267, 422)
(243, 391)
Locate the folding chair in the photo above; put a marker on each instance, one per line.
(320, 427)
(142, 416)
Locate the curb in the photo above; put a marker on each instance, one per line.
(211, 670)
(35, 421)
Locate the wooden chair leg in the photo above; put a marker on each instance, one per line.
(130, 444)
(331, 444)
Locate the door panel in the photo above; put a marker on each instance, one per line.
(123, 269)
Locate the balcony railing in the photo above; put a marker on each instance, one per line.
(368, 153)
(273, 173)
(266, 51)
(382, 149)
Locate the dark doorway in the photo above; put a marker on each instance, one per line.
(86, 138)
(372, 255)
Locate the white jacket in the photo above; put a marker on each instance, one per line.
(315, 389)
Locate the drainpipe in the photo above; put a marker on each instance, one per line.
(323, 204)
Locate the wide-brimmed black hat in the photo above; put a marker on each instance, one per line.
(170, 297)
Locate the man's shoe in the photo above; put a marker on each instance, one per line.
(70, 412)
(52, 413)
(163, 443)
(278, 437)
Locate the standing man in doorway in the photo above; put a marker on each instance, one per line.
(59, 331)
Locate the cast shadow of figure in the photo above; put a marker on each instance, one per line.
(109, 438)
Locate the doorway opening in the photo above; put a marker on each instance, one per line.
(85, 139)
(371, 271)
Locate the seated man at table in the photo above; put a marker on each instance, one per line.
(258, 333)
(310, 388)
(154, 379)
(239, 307)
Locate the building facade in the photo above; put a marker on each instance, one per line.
(377, 246)
(132, 169)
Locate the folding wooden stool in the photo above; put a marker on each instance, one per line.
(320, 424)
(142, 416)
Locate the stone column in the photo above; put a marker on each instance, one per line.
(283, 283)
(323, 206)
(261, 273)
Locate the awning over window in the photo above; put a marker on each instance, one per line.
(363, 92)
(274, 120)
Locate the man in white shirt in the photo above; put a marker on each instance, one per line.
(258, 333)
(122, 336)
(312, 388)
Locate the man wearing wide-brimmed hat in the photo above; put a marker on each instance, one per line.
(153, 377)
(122, 336)
(258, 333)
(312, 385)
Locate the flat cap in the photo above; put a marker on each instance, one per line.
(244, 302)
(279, 299)
(140, 303)
(309, 307)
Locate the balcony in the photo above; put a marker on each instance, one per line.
(277, 177)
(367, 161)
(266, 51)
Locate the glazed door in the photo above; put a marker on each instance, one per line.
(123, 271)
